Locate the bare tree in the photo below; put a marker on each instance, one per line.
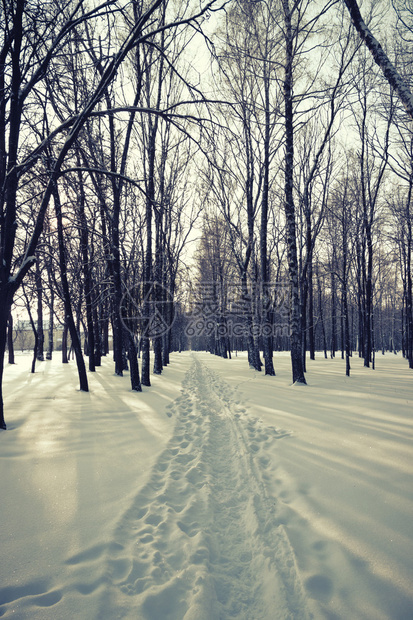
(380, 57)
(27, 56)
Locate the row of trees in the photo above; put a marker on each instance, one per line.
(344, 179)
(115, 140)
(94, 170)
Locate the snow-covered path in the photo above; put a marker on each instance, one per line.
(190, 501)
(202, 540)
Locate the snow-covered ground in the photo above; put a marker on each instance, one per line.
(218, 493)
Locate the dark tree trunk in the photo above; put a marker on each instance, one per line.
(266, 326)
(4, 313)
(145, 346)
(133, 362)
(98, 334)
(6, 299)
(117, 296)
(159, 268)
(409, 285)
(321, 313)
(115, 261)
(35, 332)
(346, 332)
(253, 353)
(36, 340)
(342, 335)
(169, 317)
(10, 343)
(85, 340)
(76, 344)
(50, 345)
(360, 298)
(368, 319)
(303, 317)
(65, 357)
(373, 343)
(149, 211)
(333, 314)
(295, 325)
(311, 335)
(147, 285)
(157, 355)
(39, 330)
(10, 119)
(306, 316)
(105, 336)
(345, 320)
(84, 243)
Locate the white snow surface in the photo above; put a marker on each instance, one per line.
(218, 493)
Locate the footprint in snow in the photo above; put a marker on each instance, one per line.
(207, 545)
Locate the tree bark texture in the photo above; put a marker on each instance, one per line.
(76, 345)
(10, 343)
(390, 72)
(295, 324)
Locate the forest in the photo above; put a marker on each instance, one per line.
(228, 176)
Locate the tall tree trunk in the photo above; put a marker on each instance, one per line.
(346, 330)
(133, 362)
(98, 332)
(159, 303)
(342, 335)
(150, 207)
(368, 320)
(50, 345)
(4, 314)
(409, 285)
(360, 297)
(311, 335)
(266, 326)
(84, 244)
(76, 344)
(333, 314)
(10, 129)
(307, 273)
(105, 336)
(295, 325)
(345, 320)
(65, 357)
(115, 265)
(10, 343)
(169, 313)
(39, 330)
(145, 348)
(35, 333)
(321, 313)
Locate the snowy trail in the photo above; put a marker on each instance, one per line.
(113, 509)
(201, 540)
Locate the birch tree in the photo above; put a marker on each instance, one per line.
(390, 72)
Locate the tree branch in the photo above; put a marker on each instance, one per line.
(380, 57)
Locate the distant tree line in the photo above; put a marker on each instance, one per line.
(309, 182)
